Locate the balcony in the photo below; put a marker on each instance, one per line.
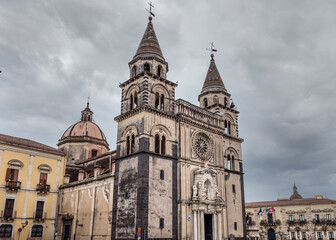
(40, 216)
(317, 221)
(302, 221)
(270, 222)
(13, 185)
(8, 215)
(43, 188)
(291, 222)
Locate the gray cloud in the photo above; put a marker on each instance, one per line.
(276, 59)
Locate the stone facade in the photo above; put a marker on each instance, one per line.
(293, 218)
(177, 171)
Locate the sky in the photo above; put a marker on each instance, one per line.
(276, 58)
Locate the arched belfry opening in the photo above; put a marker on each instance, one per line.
(147, 67)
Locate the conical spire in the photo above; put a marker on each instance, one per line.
(213, 78)
(149, 44)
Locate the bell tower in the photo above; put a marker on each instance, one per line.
(146, 161)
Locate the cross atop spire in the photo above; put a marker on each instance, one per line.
(150, 11)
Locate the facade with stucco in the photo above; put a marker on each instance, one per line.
(292, 219)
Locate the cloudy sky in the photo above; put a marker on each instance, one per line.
(276, 58)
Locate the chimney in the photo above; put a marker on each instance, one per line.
(81, 175)
(66, 178)
(97, 169)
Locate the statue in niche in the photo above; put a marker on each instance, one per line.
(202, 191)
(209, 194)
(194, 192)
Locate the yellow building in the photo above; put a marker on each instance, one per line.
(30, 174)
(295, 218)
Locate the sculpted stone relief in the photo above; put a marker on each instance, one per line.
(205, 187)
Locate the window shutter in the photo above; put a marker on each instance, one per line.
(16, 173)
(8, 174)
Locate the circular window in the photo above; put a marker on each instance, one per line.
(202, 146)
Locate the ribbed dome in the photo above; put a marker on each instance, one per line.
(84, 129)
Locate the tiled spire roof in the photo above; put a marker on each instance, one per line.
(213, 78)
(149, 44)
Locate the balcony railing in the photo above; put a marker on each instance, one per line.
(8, 214)
(40, 216)
(43, 188)
(270, 222)
(13, 185)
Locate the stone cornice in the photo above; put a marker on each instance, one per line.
(206, 126)
(146, 73)
(145, 108)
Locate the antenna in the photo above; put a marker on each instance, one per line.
(212, 48)
(150, 9)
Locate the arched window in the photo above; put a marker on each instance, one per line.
(135, 99)
(229, 127)
(134, 71)
(205, 102)
(163, 145)
(131, 102)
(225, 126)
(232, 163)
(132, 143)
(160, 144)
(215, 99)
(157, 100)
(128, 145)
(159, 71)
(162, 102)
(146, 67)
(228, 162)
(6, 231)
(157, 143)
(225, 101)
(37, 231)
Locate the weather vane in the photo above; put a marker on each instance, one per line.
(212, 48)
(150, 10)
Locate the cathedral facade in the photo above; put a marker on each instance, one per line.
(177, 171)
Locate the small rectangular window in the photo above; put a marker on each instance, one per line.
(9, 206)
(304, 236)
(43, 178)
(94, 153)
(301, 217)
(39, 209)
(317, 217)
(235, 226)
(331, 235)
(161, 223)
(291, 218)
(293, 236)
(233, 188)
(161, 174)
(328, 217)
(319, 236)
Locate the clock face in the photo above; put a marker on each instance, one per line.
(202, 146)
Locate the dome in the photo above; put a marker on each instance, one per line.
(84, 131)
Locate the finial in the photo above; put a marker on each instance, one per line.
(88, 102)
(212, 50)
(150, 11)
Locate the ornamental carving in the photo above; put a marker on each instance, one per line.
(205, 188)
(202, 146)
